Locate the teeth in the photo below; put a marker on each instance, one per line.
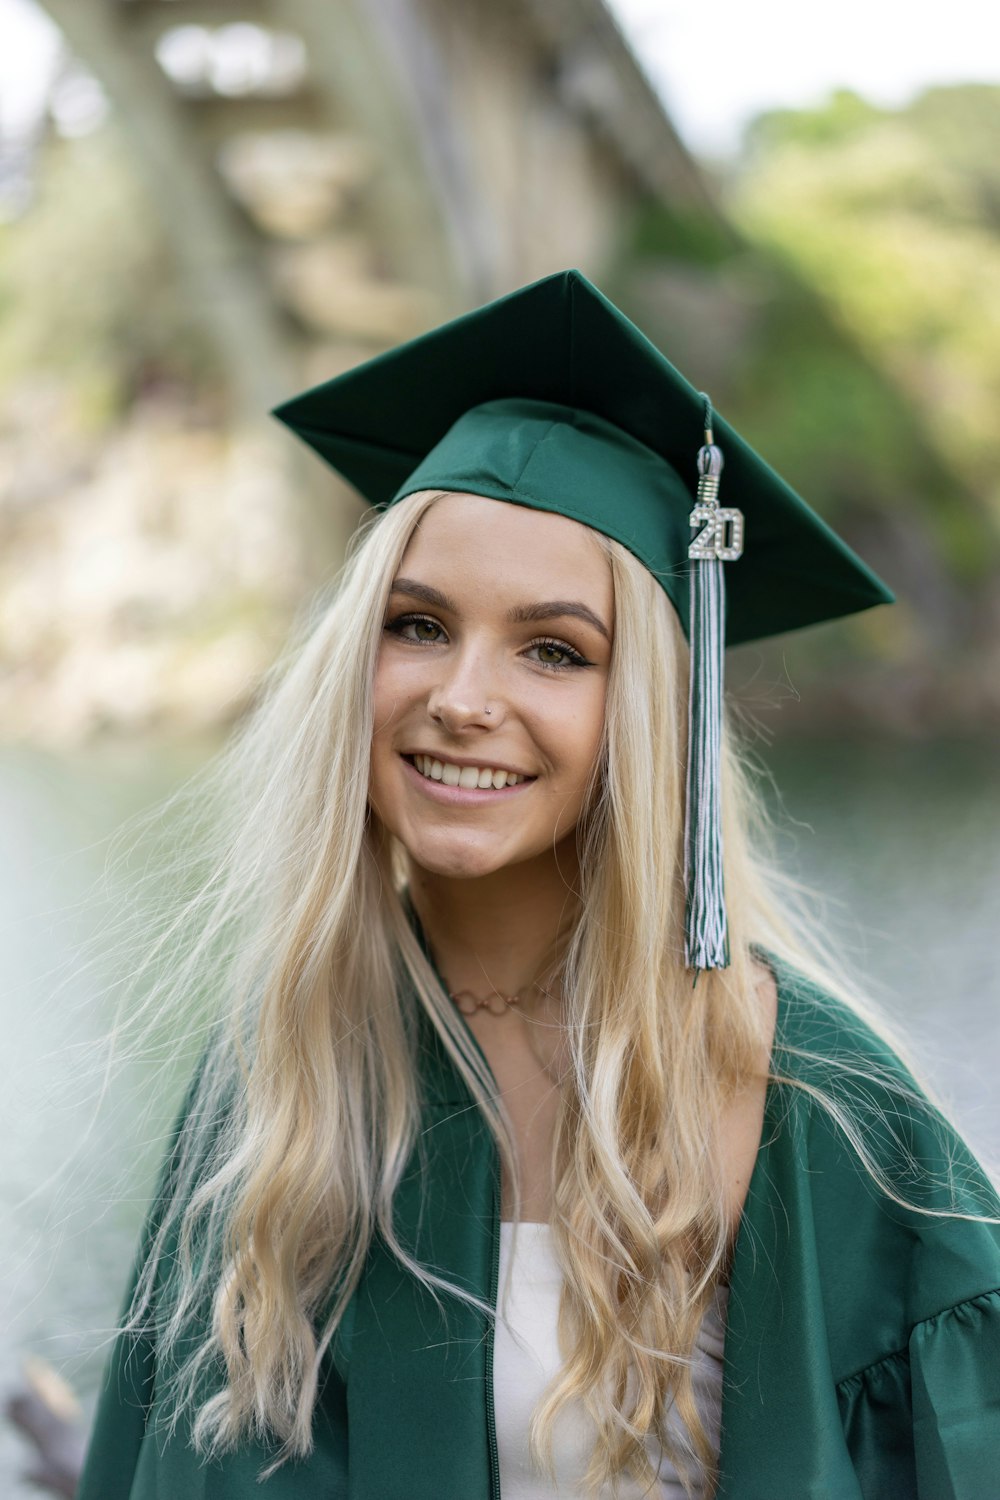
(465, 776)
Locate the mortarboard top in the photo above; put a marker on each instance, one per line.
(551, 398)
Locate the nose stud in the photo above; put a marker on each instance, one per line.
(487, 710)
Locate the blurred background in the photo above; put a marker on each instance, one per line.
(207, 204)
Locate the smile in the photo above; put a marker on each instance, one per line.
(465, 777)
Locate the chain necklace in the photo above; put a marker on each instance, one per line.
(496, 1003)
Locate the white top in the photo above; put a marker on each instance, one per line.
(526, 1357)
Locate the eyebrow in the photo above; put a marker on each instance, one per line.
(520, 614)
(553, 609)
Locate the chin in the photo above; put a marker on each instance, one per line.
(466, 865)
(455, 859)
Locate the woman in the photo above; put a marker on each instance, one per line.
(499, 1035)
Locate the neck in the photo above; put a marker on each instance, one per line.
(497, 931)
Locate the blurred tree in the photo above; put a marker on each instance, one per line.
(892, 217)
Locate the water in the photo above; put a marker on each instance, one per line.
(905, 842)
(73, 1179)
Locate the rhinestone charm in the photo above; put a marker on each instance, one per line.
(718, 529)
(719, 533)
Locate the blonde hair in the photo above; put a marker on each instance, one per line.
(305, 1111)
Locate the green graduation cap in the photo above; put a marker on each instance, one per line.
(551, 398)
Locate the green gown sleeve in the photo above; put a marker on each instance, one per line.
(926, 1421)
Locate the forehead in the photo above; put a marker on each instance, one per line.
(512, 548)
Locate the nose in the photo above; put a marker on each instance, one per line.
(465, 697)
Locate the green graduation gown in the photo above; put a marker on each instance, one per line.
(862, 1357)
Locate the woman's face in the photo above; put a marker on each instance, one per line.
(490, 685)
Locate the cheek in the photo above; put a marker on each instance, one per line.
(382, 705)
(592, 731)
(592, 708)
(392, 691)
(381, 791)
(387, 705)
(577, 735)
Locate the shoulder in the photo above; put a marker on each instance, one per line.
(834, 1053)
(827, 1051)
(812, 1022)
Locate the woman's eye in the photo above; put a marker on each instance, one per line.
(415, 628)
(557, 654)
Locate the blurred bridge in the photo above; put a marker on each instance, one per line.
(334, 177)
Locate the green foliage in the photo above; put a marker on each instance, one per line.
(846, 115)
(678, 232)
(962, 128)
(808, 401)
(891, 218)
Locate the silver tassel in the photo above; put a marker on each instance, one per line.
(718, 538)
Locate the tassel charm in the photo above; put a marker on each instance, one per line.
(717, 537)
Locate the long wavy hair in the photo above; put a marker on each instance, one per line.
(304, 1111)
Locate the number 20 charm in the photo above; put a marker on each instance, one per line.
(719, 534)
